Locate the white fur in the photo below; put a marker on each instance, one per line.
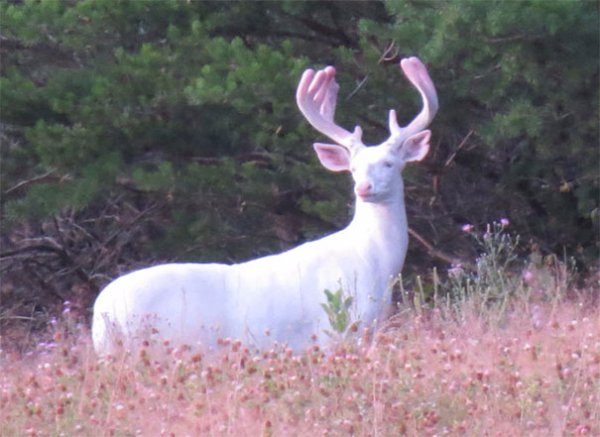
(282, 294)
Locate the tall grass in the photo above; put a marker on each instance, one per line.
(488, 351)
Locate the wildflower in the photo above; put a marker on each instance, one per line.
(488, 232)
(467, 227)
(456, 271)
(528, 277)
(504, 222)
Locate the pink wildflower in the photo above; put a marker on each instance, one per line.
(504, 222)
(456, 271)
(527, 277)
(467, 228)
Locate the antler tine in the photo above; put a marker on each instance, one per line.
(417, 74)
(316, 97)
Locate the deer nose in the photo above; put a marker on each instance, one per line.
(363, 189)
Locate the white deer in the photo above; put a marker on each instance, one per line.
(196, 304)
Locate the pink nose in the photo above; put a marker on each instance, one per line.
(363, 189)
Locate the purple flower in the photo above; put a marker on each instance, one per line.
(467, 228)
(504, 222)
(456, 271)
(528, 277)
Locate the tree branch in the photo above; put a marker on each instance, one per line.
(434, 253)
(28, 182)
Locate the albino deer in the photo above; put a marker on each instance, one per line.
(282, 294)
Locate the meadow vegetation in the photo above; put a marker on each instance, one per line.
(491, 350)
(137, 133)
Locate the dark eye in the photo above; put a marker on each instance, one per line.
(388, 164)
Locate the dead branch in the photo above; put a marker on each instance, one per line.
(27, 182)
(460, 146)
(434, 253)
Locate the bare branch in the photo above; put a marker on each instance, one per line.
(433, 252)
(30, 181)
(513, 38)
(460, 146)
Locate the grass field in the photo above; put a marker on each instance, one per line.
(537, 373)
(502, 354)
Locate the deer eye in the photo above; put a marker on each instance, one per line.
(388, 164)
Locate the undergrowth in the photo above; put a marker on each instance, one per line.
(497, 280)
(504, 347)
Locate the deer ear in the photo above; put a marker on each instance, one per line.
(333, 157)
(415, 147)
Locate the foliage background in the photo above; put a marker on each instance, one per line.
(138, 132)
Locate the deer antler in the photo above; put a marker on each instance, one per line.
(417, 74)
(317, 93)
(316, 97)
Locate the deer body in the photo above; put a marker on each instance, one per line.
(282, 294)
(206, 301)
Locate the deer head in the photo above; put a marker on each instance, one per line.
(375, 169)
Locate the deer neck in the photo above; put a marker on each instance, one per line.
(379, 235)
(382, 228)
